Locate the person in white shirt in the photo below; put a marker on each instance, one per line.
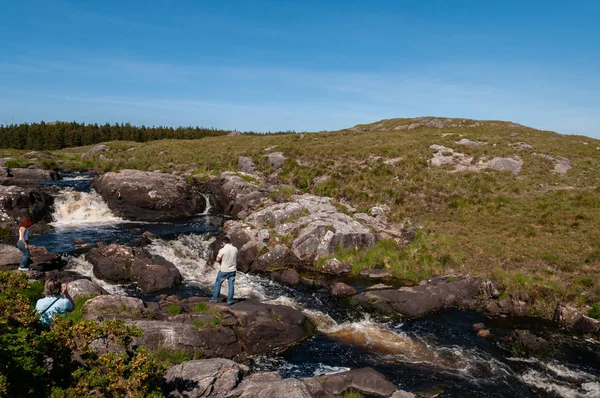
(227, 256)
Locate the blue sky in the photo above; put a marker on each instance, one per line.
(302, 65)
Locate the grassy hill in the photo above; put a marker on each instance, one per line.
(536, 232)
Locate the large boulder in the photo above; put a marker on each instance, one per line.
(148, 196)
(41, 259)
(204, 378)
(278, 256)
(235, 195)
(95, 151)
(18, 202)
(122, 264)
(420, 300)
(264, 328)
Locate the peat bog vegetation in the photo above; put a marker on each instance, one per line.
(534, 231)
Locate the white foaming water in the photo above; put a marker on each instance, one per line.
(189, 253)
(83, 267)
(74, 209)
(208, 206)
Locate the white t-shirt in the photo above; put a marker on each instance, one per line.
(228, 255)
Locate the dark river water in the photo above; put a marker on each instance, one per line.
(438, 355)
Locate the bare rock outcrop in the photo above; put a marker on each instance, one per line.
(148, 196)
(571, 318)
(561, 164)
(18, 202)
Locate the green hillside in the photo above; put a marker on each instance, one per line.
(536, 231)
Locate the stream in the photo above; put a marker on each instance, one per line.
(438, 355)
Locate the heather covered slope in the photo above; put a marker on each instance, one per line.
(489, 198)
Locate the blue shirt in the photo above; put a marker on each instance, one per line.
(62, 306)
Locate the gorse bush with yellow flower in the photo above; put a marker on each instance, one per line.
(61, 361)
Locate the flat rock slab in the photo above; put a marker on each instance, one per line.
(420, 300)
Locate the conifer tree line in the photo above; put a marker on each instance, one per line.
(57, 135)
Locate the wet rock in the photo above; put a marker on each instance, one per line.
(206, 378)
(507, 307)
(264, 328)
(419, 300)
(483, 333)
(402, 394)
(336, 267)
(276, 159)
(341, 290)
(572, 319)
(95, 151)
(149, 235)
(148, 196)
(365, 381)
(84, 288)
(527, 343)
(122, 264)
(245, 165)
(288, 277)
(43, 260)
(109, 306)
(378, 286)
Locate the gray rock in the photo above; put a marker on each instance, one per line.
(288, 277)
(278, 256)
(146, 196)
(168, 336)
(572, 319)
(506, 164)
(341, 289)
(561, 164)
(10, 257)
(18, 202)
(276, 159)
(379, 273)
(108, 306)
(234, 134)
(527, 343)
(34, 174)
(468, 142)
(419, 300)
(520, 146)
(335, 266)
(84, 288)
(365, 381)
(288, 388)
(123, 264)
(204, 378)
(245, 165)
(95, 151)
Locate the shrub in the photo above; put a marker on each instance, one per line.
(174, 309)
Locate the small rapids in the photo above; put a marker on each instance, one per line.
(437, 353)
(75, 209)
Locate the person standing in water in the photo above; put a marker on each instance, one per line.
(227, 256)
(23, 243)
(57, 301)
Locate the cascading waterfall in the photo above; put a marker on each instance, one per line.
(74, 209)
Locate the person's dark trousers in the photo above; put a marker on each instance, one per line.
(26, 254)
(221, 277)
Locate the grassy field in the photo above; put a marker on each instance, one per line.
(536, 233)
